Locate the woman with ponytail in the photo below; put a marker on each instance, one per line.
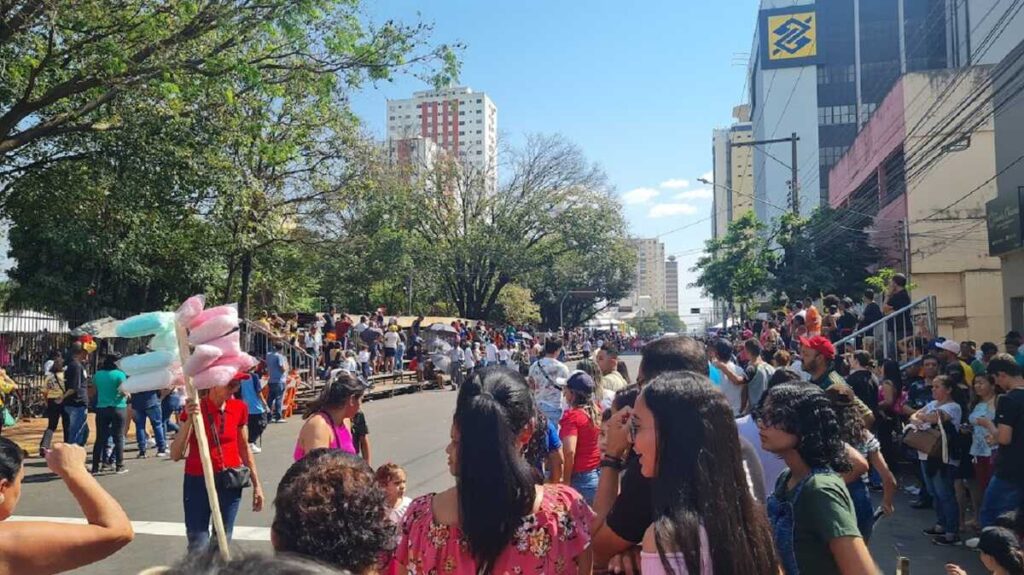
(329, 417)
(496, 519)
(580, 430)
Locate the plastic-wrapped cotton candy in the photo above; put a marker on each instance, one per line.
(241, 362)
(228, 345)
(212, 329)
(138, 364)
(217, 376)
(150, 381)
(164, 341)
(191, 309)
(146, 324)
(219, 311)
(203, 356)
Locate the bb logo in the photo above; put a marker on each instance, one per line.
(792, 36)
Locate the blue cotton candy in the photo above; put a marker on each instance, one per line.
(165, 341)
(146, 324)
(136, 364)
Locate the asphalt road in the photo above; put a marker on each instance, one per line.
(411, 430)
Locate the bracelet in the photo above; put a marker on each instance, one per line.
(613, 462)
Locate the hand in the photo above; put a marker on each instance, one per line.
(257, 499)
(888, 509)
(627, 562)
(191, 407)
(952, 569)
(617, 432)
(64, 458)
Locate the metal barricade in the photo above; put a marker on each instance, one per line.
(902, 335)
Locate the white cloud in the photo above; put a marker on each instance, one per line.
(669, 210)
(699, 194)
(675, 184)
(640, 195)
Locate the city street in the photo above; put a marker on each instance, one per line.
(411, 430)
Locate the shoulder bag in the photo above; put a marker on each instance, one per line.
(931, 441)
(230, 477)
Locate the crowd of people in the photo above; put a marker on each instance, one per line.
(752, 452)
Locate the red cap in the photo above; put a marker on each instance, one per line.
(821, 345)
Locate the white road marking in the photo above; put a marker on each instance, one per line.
(165, 528)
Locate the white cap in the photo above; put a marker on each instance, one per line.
(950, 346)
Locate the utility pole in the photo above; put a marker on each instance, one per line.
(906, 249)
(794, 184)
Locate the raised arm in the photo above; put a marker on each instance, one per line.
(43, 548)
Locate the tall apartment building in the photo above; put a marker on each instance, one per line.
(820, 70)
(672, 285)
(463, 124)
(733, 172)
(648, 295)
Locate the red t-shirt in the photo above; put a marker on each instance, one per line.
(341, 328)
(576, 423)
(228, 424)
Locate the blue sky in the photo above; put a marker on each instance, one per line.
(639, 86)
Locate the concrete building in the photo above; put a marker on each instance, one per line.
(820, 70)
(672, 286)
(733, 172)
(648, 295)
(419, 154)
(926, 182)
(1003, 213)
(463, 124)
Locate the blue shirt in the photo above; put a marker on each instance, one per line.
(275, 367)
(715, 375)
(251, 395)
(554, 442)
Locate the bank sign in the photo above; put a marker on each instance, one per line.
(789, 37)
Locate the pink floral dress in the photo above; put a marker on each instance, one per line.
(549, 541)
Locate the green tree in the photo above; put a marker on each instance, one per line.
(735, 267)
(880, 281)
(670, 322)
(517, 306)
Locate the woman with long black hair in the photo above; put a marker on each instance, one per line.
(705, 519)
(329, 419)
(496, 519)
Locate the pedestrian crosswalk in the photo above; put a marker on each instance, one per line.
(165, 528)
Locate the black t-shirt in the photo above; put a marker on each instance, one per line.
(872, 313)
(897, 302)
(632, 512)
(74, 379)
(1010, 460)
(846, 323)
(865, 387)
(359, 429)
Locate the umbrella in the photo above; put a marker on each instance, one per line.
(371, 334)
(101, 328)
(442, 328)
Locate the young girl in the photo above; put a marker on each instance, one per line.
(854, 433)
(983, 429)
(1001, 553)
(579, 430)
(364, 360)
(391, 479)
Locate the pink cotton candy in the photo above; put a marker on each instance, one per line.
(219, 311)
(241, 362)
(213, 329)
(228, 345)
(202, 357)
(190, 310)
(217, 376)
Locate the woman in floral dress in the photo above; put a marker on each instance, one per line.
(496, 519)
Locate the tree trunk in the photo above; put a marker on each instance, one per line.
(243, 298)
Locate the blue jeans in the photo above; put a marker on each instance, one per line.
(197, 511)
(276, 400)
(862, 505)
(586, 483)
(156, 418)
(1001, 496)
(77, 430)
(168, 407)
(940, 487)
(399, 357)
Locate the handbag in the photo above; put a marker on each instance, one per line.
(230, 477)
(931, 441)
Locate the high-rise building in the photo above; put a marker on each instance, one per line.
(733, 172)
(820, 70)
(648, 294)
(672, 285)
(463, 124)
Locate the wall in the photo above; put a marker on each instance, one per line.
(719, 204)
(741, 171)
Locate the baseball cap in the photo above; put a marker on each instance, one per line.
(580, 382)
(950, 346)
(819, 344)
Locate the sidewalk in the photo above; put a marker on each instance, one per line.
(29, 432)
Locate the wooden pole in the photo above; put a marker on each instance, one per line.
(204, 449)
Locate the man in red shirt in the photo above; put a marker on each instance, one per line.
(342, 328)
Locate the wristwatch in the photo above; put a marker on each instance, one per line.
(615, 463)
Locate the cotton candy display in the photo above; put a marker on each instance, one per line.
(218, 355)
(202, 357)
(158, 369)
(212, 329)
(190, 310)
(145, 324)
(137, 364)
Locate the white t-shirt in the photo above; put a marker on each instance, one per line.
(391, 339)
(545, 373)
(503, 355)
(492, 353)
(468, 360)
(350, 364)
(733, 392)
(364, 356)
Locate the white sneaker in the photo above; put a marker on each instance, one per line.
(972, 543)
(161, 454)
(255, 448)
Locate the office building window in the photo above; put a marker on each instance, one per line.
(846, 74)
(837, 115)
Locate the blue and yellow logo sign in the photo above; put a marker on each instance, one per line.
(789, 37)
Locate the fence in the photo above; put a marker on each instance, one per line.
(902, 335)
